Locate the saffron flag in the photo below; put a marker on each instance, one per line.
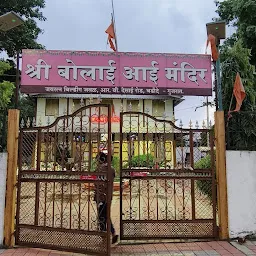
(111, 35)
(238, 92)
(212, 40)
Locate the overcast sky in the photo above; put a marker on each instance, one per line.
(171, 26)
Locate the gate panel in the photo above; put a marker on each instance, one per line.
(58, 173)
(170, 172)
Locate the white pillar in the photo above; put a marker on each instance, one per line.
(3, 172)
(148, 106)
(40, 112)
(169, 109)
(62, 106)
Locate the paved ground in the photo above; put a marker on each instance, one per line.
(176, 249)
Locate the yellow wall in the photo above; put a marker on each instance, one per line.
(140, 148)
(43, 120)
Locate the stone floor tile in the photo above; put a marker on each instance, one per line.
(213, 248)
(207, 247)
(243, 248)
(194, 248)
(188, 253)
(249, 242)
(212, 252)
(214, 245)
(202, 254)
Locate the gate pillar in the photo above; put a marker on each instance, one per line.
(222, 196)
(12, 150)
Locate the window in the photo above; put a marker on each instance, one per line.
(76, 104)
(104, 110)
(52, 107)
(134, 104)
(107, 101)
(158, 108)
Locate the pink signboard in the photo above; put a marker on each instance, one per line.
(80, 72)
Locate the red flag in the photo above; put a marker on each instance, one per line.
(238, 92)
(212, 40)
(111, 35)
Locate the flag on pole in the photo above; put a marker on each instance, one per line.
(238, 92)
(111, 35)
(212, 40)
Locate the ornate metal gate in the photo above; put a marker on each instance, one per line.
(56, 179)
(171, 180)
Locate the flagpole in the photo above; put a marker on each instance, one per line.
(231, 101)
(230, 105)
(114, 23)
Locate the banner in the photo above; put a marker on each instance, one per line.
(75, 72)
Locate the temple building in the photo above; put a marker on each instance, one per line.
(51, 106)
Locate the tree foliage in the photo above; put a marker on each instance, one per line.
(238, 54)
(26, 103)
(6, 92)
(6, 87)
(205, 186)
(242, 15)
(24, 36)
(237, 59)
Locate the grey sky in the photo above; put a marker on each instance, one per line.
(175, 26)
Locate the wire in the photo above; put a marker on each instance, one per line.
(186, 108)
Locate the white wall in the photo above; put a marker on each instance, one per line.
(241, 182)
(3, 168)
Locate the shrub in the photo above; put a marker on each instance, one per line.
(204, 163)
(115, 164)
(142, 161)
(205, 186)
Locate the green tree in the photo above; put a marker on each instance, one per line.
(24, 36)
(237, 59)
(240, 14)
(205, 186)
(13, 41)
(238, 54)
(27, 106)
(6, 87)
(241, 130)
(6, 92)
(26, 103)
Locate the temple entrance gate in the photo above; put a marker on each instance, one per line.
(57, 173)
(167, 181)
(171, 190)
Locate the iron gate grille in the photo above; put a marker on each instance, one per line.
(56, 207)
(167, 179)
